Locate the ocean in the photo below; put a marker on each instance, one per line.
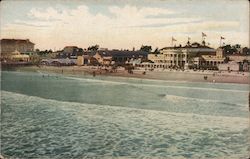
(58, 116)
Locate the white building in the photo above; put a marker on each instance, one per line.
(230, 66)
(180, 57)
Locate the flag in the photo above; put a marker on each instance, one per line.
(203, 34)
(173, 39)
(222, 37)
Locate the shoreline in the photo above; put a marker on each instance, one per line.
(165, 75)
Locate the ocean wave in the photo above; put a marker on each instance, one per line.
(21, 97)
(56, 129)
(153, 85)
(177, 99)
(96, 81)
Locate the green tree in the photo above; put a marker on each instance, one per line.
(50, 51)
(93, 48)
(246, 51)
(80, 50)
(146, 48)
(237, 46)
(229, 50)
(203, 43)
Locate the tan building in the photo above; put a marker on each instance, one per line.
(103, 58)
(213, 60)
(80, 61)
(10, 45)
(16, 56)
(83, 60)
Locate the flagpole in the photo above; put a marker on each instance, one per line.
(221, 38)
(172, 42)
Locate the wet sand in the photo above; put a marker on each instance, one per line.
(173, 75)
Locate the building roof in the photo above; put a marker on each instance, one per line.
(70, 47)
(193, 45)
(206, 53)
(16, 41)
(120, 53)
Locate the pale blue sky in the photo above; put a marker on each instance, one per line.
(124, 24)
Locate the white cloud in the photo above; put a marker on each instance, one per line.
(127, 27)
(135, 12)
(49, 14)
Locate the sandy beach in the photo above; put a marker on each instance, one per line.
(173, 75)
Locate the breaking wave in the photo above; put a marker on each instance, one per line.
(176, 99)
(101, 81)
(34, 127)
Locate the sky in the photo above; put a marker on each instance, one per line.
(124, 24)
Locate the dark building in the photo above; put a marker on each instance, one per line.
(10, 45)
(70, 52)
(122, 56)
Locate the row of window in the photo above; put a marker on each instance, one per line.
(210, 63)
(176, 55)
(159, 66)
(167, 61)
